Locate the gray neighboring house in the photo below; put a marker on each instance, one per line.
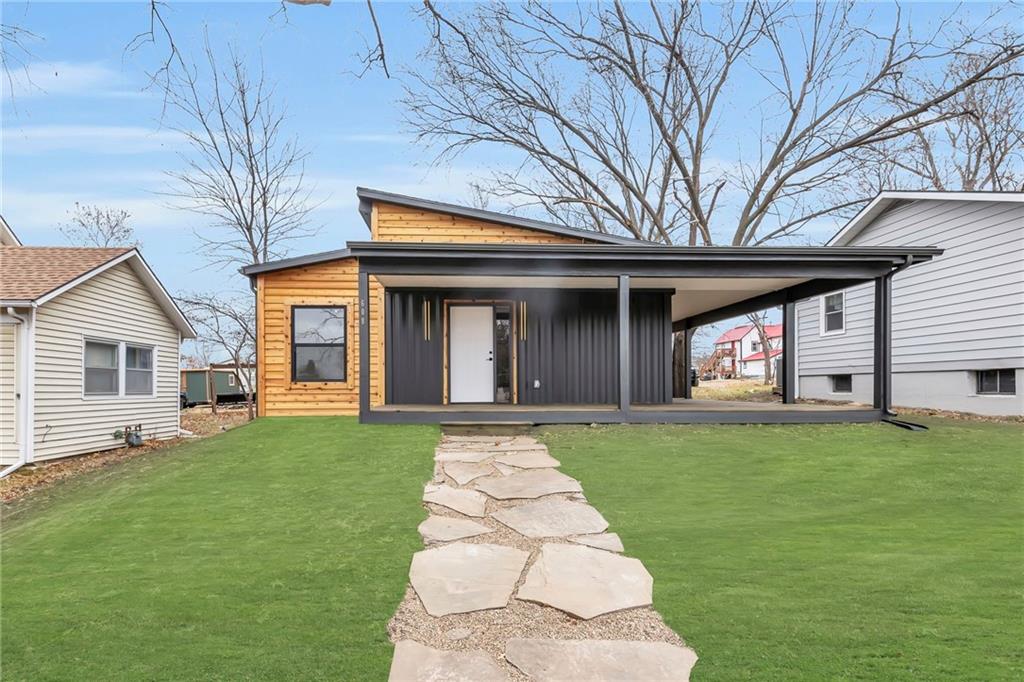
(957, 321)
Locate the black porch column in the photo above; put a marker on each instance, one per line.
(364, 344)
(883, 344)
(625, 370)
(789, 352)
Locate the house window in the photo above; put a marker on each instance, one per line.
(318, 343)
(842, 383)
(101, 368)
(231, 380)
(997, 382)
(138, 370)
(755, 346)
(833, 313)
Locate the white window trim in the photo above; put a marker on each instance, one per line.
(231, 380)
(821, 315)
(121, 368)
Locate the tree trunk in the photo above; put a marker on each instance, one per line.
(211, 388)
(679, 377)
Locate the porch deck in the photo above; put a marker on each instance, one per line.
(680, 411)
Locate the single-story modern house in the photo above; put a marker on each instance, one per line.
(229, 386)
(454, 314)
(89, 350)
(957, 322)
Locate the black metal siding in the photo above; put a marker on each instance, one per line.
(413, 364)
(571, 346)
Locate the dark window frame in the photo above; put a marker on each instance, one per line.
(1000, 381)
(343, 345)
(835, 389)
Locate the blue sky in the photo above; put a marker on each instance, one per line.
(89, 130)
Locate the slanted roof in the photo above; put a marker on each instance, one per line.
(367, 196)
(760, 356)
(885, 200)
(773, 331)
(33, 275)
(734, 334)
(31, 272)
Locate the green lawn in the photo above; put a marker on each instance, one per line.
(278, 550)
(822, 552)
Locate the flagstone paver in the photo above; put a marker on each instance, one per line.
(535, 459)
(447, 528)
(531, 483)
(464, 472)
(414, 662)
(457, 455)
(549, 628)
(554, 660)
(607, 541)
(464, 577)
(586, 582)
(552, 518)
(468, 502)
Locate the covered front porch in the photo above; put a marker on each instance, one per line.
(583, 334)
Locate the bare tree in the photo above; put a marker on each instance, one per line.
(241, 170)
(228, 321)
(978, 146)
(103, 226)
(759, 320)
(616, 114)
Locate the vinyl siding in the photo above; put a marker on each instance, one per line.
(116, 306)
(962, 311)
(8, 387)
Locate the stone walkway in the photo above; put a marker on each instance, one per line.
(521, 579)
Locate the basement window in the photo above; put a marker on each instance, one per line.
(319, 351)
(997, 382)
(842, 383)
(101, 368)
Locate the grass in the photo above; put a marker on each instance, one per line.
(822, 552)
(278, 550)
(749, 390)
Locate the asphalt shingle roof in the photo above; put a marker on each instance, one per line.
(30, 272)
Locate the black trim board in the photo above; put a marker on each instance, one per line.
(615, 416)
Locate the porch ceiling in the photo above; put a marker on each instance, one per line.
(693, 295)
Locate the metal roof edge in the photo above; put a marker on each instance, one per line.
(368, 195)
(297, 261)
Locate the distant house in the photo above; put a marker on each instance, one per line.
(957, 322)
(89, 349)
(229, 387)
(738, 352)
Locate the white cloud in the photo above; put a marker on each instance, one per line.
(39, 213)
(61, 78)
(94, 139)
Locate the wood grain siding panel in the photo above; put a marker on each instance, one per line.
(326, 284)
(962, 311)
(8, 388)
(391, 223)
(114, 305)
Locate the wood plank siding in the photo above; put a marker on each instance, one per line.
(336, 283)
(112, 306)
(390, 223)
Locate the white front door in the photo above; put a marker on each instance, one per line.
(471, 353)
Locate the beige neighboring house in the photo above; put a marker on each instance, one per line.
(89, 346)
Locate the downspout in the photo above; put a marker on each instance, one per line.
(888, 414)
(24, 402)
